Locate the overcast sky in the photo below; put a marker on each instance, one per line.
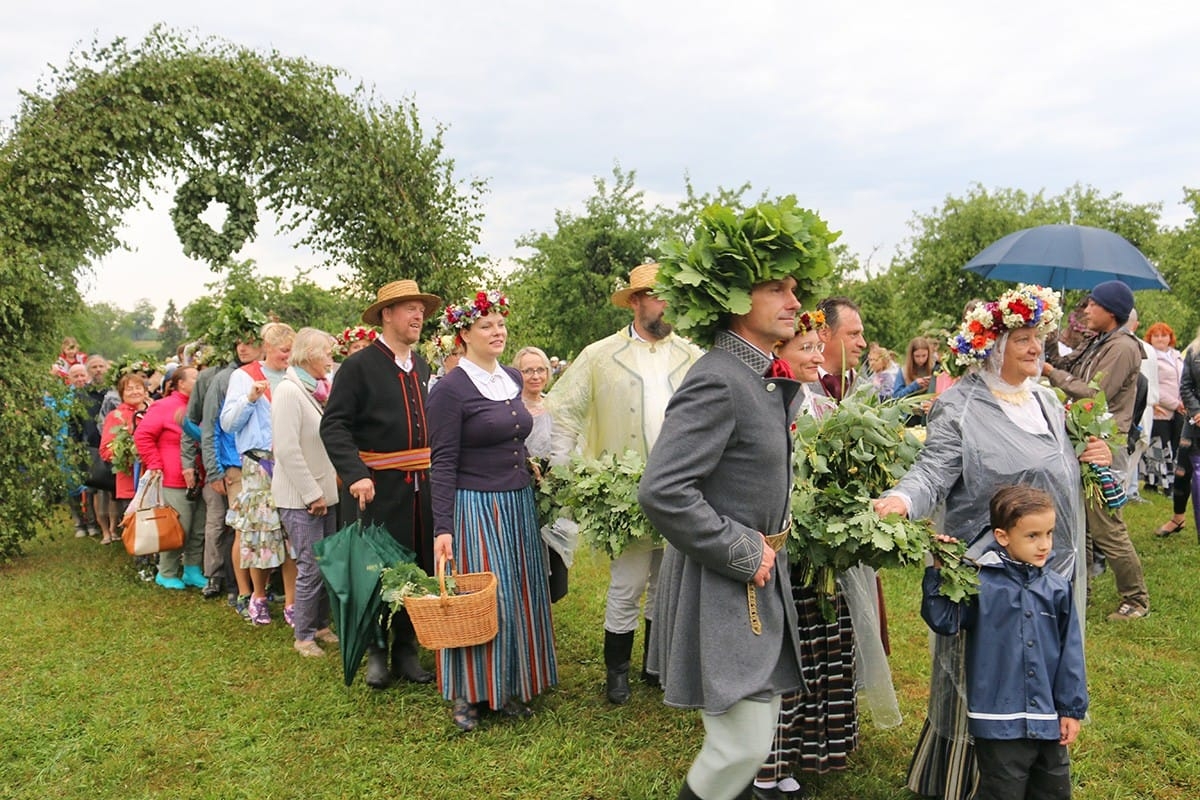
(869, 111)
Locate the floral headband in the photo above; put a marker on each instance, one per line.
(462, 316)
(809, 321)
(358, 333)
(1027, 306)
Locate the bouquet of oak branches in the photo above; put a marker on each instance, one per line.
(1089, 417)
(845, 457)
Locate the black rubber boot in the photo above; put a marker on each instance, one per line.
(618, 649)
(405, 663)
(647, 678)
(377, 676)
(686, 793)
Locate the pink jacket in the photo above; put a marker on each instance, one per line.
(158, 436)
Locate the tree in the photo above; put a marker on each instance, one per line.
(930, 282)
(141, 320)
(171, 332)
(365, 183)
(560, 294)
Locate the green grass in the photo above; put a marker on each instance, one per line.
(113, 688)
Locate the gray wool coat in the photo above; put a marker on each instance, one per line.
(719, 475)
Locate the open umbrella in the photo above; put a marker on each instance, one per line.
(1066, 257)
(350, 562)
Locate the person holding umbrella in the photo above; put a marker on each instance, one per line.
(375, 432)
(1113, 359)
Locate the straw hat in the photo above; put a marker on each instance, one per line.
(640, 280)
(397, 292)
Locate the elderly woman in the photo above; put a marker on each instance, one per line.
(995, 427)
(534, 366)
(304, 485)
(246, 414)
(134, 400)
(158, 441)
(484, 517)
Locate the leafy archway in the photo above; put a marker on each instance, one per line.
(361, 180)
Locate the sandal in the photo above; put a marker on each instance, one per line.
(465, 716)
(1170, 528)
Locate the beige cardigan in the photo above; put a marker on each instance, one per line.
(303, 472)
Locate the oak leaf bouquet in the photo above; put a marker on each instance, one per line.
(845, 457)
(600, 494)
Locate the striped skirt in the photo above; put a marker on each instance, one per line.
(817, 731)
(498, 532)
(944, 766)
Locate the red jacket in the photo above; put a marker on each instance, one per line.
(158, 439)
(121, 416)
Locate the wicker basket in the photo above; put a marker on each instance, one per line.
(462, 620)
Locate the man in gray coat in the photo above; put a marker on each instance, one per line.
(717, 485)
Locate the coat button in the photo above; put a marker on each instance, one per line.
(1028, 614)
(770, 387)
(1029, 643)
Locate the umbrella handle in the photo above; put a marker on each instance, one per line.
(441, 572)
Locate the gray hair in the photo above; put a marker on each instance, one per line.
(308, 345)
(525, 351)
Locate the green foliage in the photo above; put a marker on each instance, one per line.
(710, 278)
(600, 494)
(362, 181)
(171, 332)
(847, 455)
(404, 579)
(199, 239)
(560, 294)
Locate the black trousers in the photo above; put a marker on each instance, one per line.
(1022, 769)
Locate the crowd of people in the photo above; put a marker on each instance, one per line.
(266, 455)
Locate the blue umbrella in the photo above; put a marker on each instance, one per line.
(1066, 257)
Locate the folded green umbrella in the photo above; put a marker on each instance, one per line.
(350, 562)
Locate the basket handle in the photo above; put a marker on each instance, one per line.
(441, 573)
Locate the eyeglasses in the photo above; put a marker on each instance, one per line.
(812, 347)
(529, 372)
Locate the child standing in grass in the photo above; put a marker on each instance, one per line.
(1026, 686)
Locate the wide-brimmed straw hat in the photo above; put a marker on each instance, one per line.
(398, 292)
(640, 280)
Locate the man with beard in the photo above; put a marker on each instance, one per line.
(611, 400)
(375, 432)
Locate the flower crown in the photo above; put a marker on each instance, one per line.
(462, 316)
(1027, 306)
(809, 321)
(356, 334)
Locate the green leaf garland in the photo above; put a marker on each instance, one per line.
(199, 239)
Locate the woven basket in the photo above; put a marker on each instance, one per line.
(462, 620)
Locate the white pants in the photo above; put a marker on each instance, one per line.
(630, 575)
(735, 745)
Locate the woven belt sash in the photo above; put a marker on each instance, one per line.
(414, 460)
(776, 541)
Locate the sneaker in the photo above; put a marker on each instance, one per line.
(81, 533)
(241, 606)
(259, 614)
(326, 636)
(1127, 611)
(309, 649)
(289, 615)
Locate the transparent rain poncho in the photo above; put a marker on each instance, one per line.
(973, 447)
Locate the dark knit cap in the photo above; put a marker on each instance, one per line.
(1116, 297)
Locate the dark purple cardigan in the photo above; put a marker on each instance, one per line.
(477, 443)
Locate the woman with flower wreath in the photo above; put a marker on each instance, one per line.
(485, 518)
(351, 340)
(995, 427)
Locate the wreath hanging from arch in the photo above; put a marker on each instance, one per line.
(199, 239)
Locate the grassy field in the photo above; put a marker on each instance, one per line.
(113, 688)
